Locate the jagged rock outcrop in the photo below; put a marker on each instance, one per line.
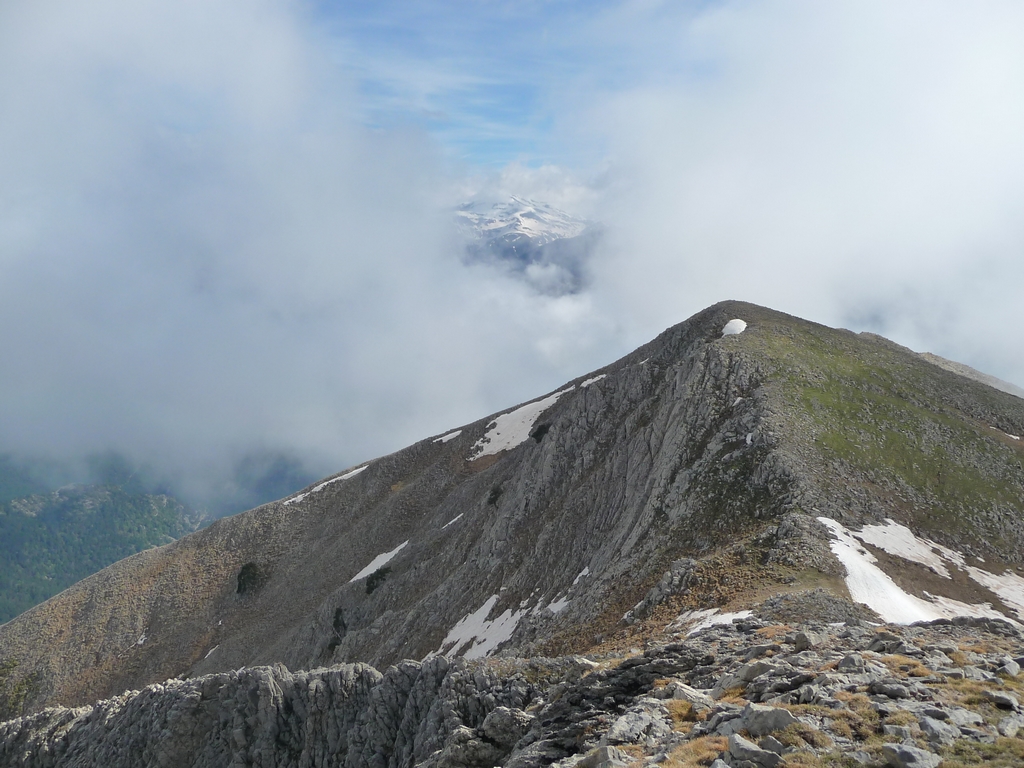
(746, 691)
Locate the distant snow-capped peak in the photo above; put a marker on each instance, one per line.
(518, 220)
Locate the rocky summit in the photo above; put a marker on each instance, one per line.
(754, 540)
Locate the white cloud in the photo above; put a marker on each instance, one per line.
(850, 162)
(204, 253)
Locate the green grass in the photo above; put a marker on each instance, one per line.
(882, 419)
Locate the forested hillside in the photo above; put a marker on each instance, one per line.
(49, 541)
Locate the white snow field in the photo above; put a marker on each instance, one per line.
(734, 327)
(594, 380)
(453, 520)
(483, 635)
(449, 436)
(870, 585)
(378, 562)
(513, 428)
(580, 575)
(325, 483)
(1009, 587)
(899, 540)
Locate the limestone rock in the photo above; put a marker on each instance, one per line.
(907, 756)
(744, 749)
(760, 720)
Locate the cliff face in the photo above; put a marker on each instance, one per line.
(688, 475)
(752, 692)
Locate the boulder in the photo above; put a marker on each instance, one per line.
(806, 640)
(760, 719)
(1003, 700)
(908, 756)
(743, 749)
(938, 732)
(604, 757)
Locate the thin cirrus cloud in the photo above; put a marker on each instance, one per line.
(224, 226)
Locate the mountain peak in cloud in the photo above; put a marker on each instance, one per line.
(518, 220)
(533, 241)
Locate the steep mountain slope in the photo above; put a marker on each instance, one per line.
(690, 474)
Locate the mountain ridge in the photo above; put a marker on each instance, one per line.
(688, 475)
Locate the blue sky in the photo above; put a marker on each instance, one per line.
(477, 76)
(487, 79)
(226, 225)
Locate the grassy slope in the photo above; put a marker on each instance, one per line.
(893, 435)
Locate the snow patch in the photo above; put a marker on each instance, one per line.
(896, 539)
(141, 640)
(869, 585)
(702, 619)
(580, 575)
(513, 428)
(734, 327)
(1012, 437)
(737, 401)
(454, 519)
(1009, 587)
(594, 380)
(449, 436)
(482, 636)
(750, 438)
(325, 483)
(211, 651)
(557, 606)
(378, 562)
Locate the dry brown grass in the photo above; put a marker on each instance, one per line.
(804, 759)
(898, 664)
(698, 752)
(959, 658)
(682, 713)
(774, 631)
(800, 735)
(901, 717)
(1005, 753)
(735, 696)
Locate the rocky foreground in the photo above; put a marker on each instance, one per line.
(751, 694)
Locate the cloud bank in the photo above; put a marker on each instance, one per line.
(203, 256)
(860, 164)
(212, 262)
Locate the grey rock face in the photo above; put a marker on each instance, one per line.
(939, 732)
(805, 640)
(646, 721)
(743, 749)
(1003, 700)
(480, 714)
(604, 757)
(438, 713)
(907, 756)
(1010, 726)
(760, 720)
